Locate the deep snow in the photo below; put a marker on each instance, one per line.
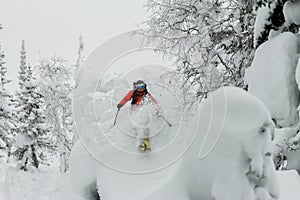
(60, 187)
(240, 120)
(100, 160)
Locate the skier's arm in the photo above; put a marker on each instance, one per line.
(152, 98)
(158, 110)
(125, 99)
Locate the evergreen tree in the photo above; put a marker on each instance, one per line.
(57, 84)
(6, 123)
(32, 136)
(23, 65)
(80, 59)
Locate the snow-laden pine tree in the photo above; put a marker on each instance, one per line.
(212, 41)
(80, 60)
(23, 65)
(32, 140)
(6, 123)
(56, 80)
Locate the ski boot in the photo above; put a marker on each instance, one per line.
(145, 146)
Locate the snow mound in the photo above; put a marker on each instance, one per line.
(271, 77)
(291, 12)
(234, 127)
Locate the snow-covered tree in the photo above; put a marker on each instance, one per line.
(32, 136)
(212, 41)
(23, 65)
(56, 80)
(6, 123)
(80, 60)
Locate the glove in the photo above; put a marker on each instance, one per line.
(119, 106)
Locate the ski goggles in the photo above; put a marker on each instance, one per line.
(140, 86)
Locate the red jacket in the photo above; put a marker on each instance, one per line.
(139, 98)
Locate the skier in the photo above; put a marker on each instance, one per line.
(139, 96)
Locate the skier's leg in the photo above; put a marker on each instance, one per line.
(145, 145)
(146, 139)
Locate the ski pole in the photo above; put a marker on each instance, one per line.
(165, 120)
(116, 117)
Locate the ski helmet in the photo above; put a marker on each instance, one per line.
(140, 83)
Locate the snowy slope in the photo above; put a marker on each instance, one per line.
(40, 185)
(20, 185)
(162, 175)
(103, 81)
(3, 187)
(102, 84)
(115, 148)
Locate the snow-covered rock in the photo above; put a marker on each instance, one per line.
(271, 77)
(291, 12)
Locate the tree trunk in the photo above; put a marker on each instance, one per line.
(63, 167)
(34, 157)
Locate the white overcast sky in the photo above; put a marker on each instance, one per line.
(52, 27)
